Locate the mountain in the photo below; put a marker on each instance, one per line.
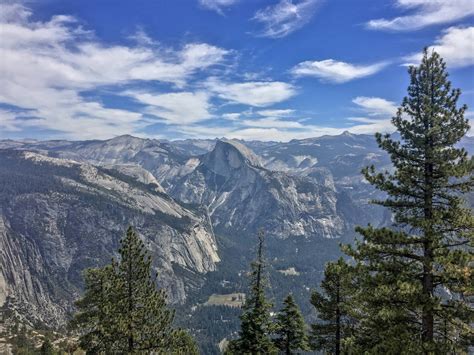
(59, 216)
(160, 158)
(242, 195)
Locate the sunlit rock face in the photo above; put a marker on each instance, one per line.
(241, 194)
(58, 217)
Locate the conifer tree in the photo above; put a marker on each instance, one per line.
(256, 323)
(418, 275)
(95, 318)
(122, 311)
(333, 307)
(290, 328)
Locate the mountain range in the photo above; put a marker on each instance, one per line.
(197, 204)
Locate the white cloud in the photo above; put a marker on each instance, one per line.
(276, 113)
(372, 126)
(175, 108)
(275, 134)
(376, 106)
(8, 120)
(47, 66)
(285, 17)
(425, 13)
(259, 133)
(334, 71)
(379, 112)
(233, 116)
(271, 122)
(142, 38)
(456, 46)
(217, 5)
(253, 93)
(274, 125)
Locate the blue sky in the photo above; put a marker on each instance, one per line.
(249, 69)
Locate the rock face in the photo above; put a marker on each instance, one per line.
(160, 158)
(59, 216)
(240, 194)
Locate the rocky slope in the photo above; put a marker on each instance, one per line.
(59, 216)
(241, 195)
(160, 158)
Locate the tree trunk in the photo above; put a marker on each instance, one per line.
(427, 312)
(130, 304)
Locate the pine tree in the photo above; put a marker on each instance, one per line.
(333, 308)
(95, 319)
(290, 328)
(256, 323)
(123, 312)
(418, 276)
(184, 344)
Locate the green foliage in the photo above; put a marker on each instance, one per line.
(415, 279)
(184, 344)
(290, 328)
(256, 324)
(22, 342)
(123, 312)
(47, 348)
(333, 306)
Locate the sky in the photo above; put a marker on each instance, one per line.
(246, 69)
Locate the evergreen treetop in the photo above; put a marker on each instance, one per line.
(122, 311)
(256, 323)
(418, 274)
(290, 328)
(334, 308)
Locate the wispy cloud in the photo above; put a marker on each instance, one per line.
(175, 108)
(424, 13)
(259, 133)
(285, 17)
(334, 71)
(456, 46)
(217, 5)
(142, 38)
(252, 93)
(284, 125)
(376, 106)
(276, 113)
(47, 67)
(377, 113)
(272, 122)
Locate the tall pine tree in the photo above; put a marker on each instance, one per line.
(94, 319)
(418, 275)
(256, 324)
(333, 306)
(122, 311)
(290, 328)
